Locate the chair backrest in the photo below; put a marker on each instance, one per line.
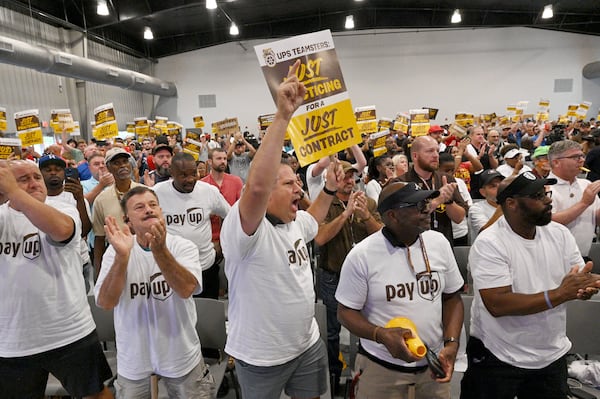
(581, 316)
(211, 323)
(104, 319)
(594, 255)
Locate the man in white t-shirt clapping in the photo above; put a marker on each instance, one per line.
(149, 278)
(187, 205)
(523, 266)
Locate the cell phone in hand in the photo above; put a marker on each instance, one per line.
(434, 364)
(73, 173)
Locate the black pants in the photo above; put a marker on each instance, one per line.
(210, 282)
(488, 377)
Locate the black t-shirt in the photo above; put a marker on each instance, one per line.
(592, 162)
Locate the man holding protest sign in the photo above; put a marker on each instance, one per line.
(273, 334)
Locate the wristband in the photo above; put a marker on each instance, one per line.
(375, 333)
(329, 192)
(450, 339)
(547, 298)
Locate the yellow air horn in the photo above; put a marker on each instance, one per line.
(414, 343)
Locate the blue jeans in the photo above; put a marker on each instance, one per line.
(327, 285)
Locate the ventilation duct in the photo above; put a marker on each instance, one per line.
(56, 62)
(592, 70)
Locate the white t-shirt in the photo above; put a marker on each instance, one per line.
(43, 304)
(564, 196)
(155, 327)
(479, 214)
(314, 183)
(462, 229)
(500, 257)
(271, 294)
(507, 170)
(188, 215)
(66, 198)
(377, 280)
(373, 189)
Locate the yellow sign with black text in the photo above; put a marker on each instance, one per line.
(105, 122)
(324, 131)
(3, 123)
(28, 127)
(8, 147)
(324, 123)
(198, 121)
(366, 119)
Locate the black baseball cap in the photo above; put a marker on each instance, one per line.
(488, 175)
(524, 184)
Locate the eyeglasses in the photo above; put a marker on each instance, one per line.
(422, 206)
(539, 196)
(574, 157)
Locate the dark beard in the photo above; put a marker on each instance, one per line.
(164, 172)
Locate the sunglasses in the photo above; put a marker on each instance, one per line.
(422, 206)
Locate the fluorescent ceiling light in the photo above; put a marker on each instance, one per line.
(148, 35)
(233, 30)
(349, 22)
(547, 13)
(211, 4)
(102, 8)
(456, 17)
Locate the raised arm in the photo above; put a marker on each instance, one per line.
(57, 225)
(265, 165)
(359, 156)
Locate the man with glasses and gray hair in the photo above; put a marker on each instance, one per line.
(404, 270)
(575, 202)
(523, 266)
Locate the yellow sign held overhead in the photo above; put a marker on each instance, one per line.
(28, 127)
(3, 123)
(105, 122)
(142, 127)
(366, 119)
(9, 146)
(324, 123)
(419, 122)
(198, 121)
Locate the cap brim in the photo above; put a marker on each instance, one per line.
(533, 187)
(536, 185)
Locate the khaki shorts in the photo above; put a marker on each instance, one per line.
(197, 384)
(377, 381)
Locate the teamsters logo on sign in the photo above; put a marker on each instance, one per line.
(324, 124)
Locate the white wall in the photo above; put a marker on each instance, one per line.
(479, 71)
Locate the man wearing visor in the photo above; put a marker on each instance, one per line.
(403, 270)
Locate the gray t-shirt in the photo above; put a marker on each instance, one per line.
(239, 165)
